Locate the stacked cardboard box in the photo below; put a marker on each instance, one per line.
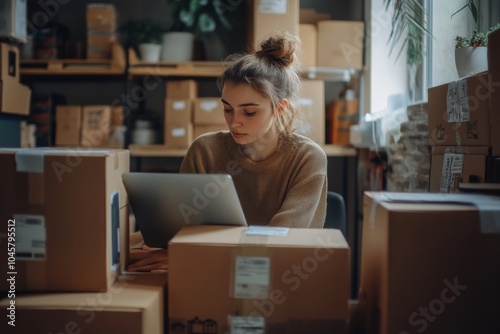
(312, 103)
(101, 30)
(14, 96)
(208, 115)
(180, 95)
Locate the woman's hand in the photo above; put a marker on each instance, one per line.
(148, 259)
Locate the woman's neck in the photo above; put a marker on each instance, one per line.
(262, 148)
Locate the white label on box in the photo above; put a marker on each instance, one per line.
(247, 325)
(452, 166)
(30, 237)
(208, 106)
(179, 105)
(178, 132)
(452, 102)
(463, 100)
(272, 6)
(267, 230)
(251, 277)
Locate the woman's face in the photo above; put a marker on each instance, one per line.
(249, 114)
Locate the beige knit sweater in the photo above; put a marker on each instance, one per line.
(287, 189)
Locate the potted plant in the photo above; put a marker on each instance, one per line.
(203, 19)
(143, 35)
(471, 51)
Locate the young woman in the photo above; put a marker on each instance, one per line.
(280, 176)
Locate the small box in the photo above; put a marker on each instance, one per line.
(68, 125)
(9, 61)
(101, 17)
(68, 208)
(13, 19)
(208, 110)
(178, 111)
(100, 46)
(453, 165)
(134, 304)
(202, 129)
(340, 44)
(459, 112)
(442, 257)
(178, 135)
(308, 34)
(312, 103)
(265, 16)
(494, 89)
(15, 98)
(96, 125)
(278, 279)
(182, 89)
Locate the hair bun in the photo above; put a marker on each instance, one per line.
(279, 48)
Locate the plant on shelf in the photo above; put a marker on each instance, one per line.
(144, 35)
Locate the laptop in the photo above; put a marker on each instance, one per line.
(163, 203)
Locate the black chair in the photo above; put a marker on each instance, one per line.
(336, 216)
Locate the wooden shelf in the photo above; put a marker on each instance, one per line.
(164, 151)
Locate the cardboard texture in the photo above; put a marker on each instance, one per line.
(308, 34)
(298, 283)
(312, 103)
(494, 70)
(311, 16)
(199, 130)
(340, 44)
(182, 89)
(178, 111)
(453, 165)
(101, 17)
(96, 125)
(208, 110)
(14, 97)
(427, 268)
(265, 16)
(71, 211)
(178, 135)
(68, 125)
(448, 124)
(133, 304)
(344, 114)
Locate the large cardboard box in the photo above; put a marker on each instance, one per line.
(452, 165)
(340, 44)
(178, 135)
(68, 210)
(429, 267)
(182, 89)
(308, 34)
(134, 304)
(15, 98)
(271, 280)
(208, 110)
(96, 125)
(494, 89)
(13, 20)
(312, 104)
(267, 16)
(178, 111)
(452, 125)
(68, 125)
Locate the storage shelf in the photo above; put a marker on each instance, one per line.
(164, 151)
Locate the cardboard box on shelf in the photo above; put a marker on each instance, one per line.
(340, 44)
(133, 304)
(279, 280)
(68, 125)
(452, 125)
(100, 45)
(96, 125)
(178, 111)
(70, 208)
(311, 16)
(15, 98)
(178, 135)
(429, 266)
(452, 165)
(312, 104)
(182, 89)
(13, 20)
(9, 63)
(198, 130)
(344, 114)
(265, 16)
(494, 89)
(308, 34)
(208, 110)
(101, 17)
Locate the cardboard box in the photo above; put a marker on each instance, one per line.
(308, 34)
(202, 129)
(15, 98)
(208, 110)
(178, 135)
(13, 19)
(266, 16)
(428, 267)
(68, 125)
(100, 46)
(134, 304)
(453, 165)
(9, 61)
(178, 111)
(311, 16)
(494, 89)
(96, 125)
(182, 89)
(450, 125)
(312, 103)
(285, 280)
(340, 44)
(71, 217)
(101, 17)
(344, 114)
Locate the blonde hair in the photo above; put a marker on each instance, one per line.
(273, 71)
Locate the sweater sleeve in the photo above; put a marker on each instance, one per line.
(305, 202)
